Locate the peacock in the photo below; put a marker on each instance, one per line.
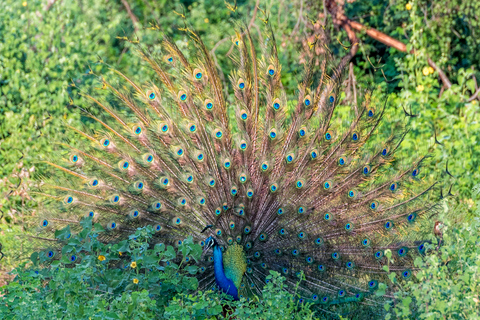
(261, 180)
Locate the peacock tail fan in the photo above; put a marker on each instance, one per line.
(284, 181)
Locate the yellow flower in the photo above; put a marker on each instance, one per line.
(135, 280)
(24, 3)
(133, 264)
(420, 88)
(101, 258)
(426, 71)
(431, 70)
(206, 20)
(119, 253)
(408, 6)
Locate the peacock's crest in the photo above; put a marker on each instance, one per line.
(282, 182)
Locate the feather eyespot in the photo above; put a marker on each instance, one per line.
(250, 193)
(105, 142)
(372, 284)
(137, 130)
(388, 225)
(93, 183)
(227, 164)
(328, 135)
(273, 187)
(201, 201)
(370, 113)
(192, 128)
(355, 136)
(232, 225)
(163, 127)
(243, 115)
(411, 217)
(151, 95)
(350, 265)
(301, 209)
(406, 274)
(147, 158)
(242, 177)
(50, 254)
(335, 255)
(233, 191)
(199, 156)
(295, 252)
(352, 194)
(197, 74)
(273, 134)
(74, 158)
(341, 161)
(313, 154)
(164, 181)
(402, 251)
(327, 216)
(247, 230)
(327, 185)
(156, 206)
(393, 187)
(264, 166)
(365, 242)
(385, 152)
(301, 235)
(169, 59)
(134, 214)
(290, 158)
(318, 241)
(280, 211)
(243, 145)
(208, 104)
(139, 185)
(366, 170)
(302, 132)
(276, 104)
(211, 182)
(218, 133)
(415, 172)
(241, 84)
(218, 232)
(68, 200)
(271, 70)
(374, 205)
(115, 199)
(331, 99)
(299, 184)
(307, 101)
(44, 223)
(341, 293)
(321, 268)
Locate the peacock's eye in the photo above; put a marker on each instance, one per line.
(241, 84)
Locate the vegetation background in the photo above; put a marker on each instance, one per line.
(423, 54)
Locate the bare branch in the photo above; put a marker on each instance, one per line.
(441, 74)
(133, 17)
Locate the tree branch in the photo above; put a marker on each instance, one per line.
(441, 74)
(133, 17)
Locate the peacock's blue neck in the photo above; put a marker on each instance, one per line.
(225, 284)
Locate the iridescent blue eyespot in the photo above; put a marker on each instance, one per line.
(198, 75)
(302, 132)
(91, 214)
(158, 227)
(341, 293)
(309, 260)
(421, 248)
(209, 105)
(50, 254)
(301, 235)
(241, 84)
(74, 158)
(318, 241)
(151, 96)
(212, 182)
(301, 210)
(313, 154)
(402, 251)
(137, 130)
(355, 136)
(393, 187)
(348, 226)
(415, 172)
(388, 225)
(183, 97)
(247, 230)
(406, 274)
(244, 115)
(278, 251)
(271, 71)
(326, 216)
(106, 143)
(335, 255)
(341, 161)
(285, 270)
(249, 193)
(44, 223)
(276, 106)
(150, 158)
(273, 134)
(170, 59)
(314, 297)
(116, 199)
(370, 113)
(307, 101)
(233, 191)
(350, 265)
(328, 136)
(299, 184)
(365, 242)
(327, 185)
(125, 165)
(200, 156)
(73, 258)
(379, 254)
(411, 217)
(384, 152)
(69, 199)
(243, 146)
(331, 99)
(372, 284)
(366, 170)
(295, 252)
(164, 128)
(273, 187)
(280, 211)
(192, 128)
(282, 231)
(373, 205)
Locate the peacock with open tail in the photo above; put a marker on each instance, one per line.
(263, 181)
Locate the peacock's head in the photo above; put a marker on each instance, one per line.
(210, 242)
